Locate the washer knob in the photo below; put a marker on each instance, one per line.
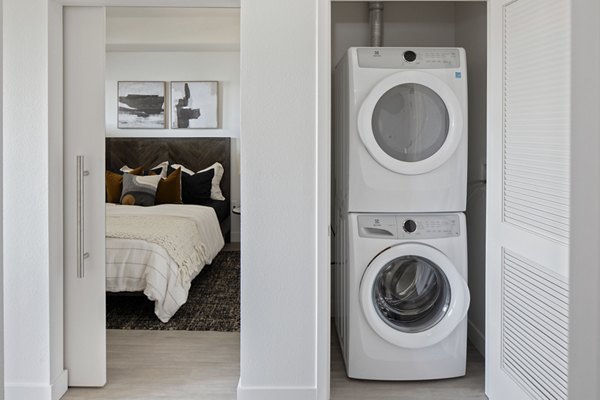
(410, 226)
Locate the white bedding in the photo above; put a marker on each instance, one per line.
(145, 257)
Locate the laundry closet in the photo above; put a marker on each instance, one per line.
(517, 180)
(437, 25)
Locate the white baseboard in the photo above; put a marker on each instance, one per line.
(60, 385)
(24, 391)
(276, 393)
(477, 338)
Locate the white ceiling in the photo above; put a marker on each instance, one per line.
(172, 29)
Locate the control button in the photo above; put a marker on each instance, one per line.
(410, 226)
(410, 56)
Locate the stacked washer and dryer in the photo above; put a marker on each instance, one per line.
(399, 196)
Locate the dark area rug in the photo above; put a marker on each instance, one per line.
(213, 302)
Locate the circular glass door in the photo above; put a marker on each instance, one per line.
(411, 294)
(411, 122)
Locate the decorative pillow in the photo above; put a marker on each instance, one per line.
(114, 184)
(139, 190)
(183, 169)
(163, 166)
(196, 188)
(215, 191)
(169, 188)
(125, 169)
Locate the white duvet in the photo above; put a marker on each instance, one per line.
(159, 250)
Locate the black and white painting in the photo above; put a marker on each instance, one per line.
(141, 105)
(194, 105)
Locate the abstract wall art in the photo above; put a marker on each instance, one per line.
(194, 105)
(141, 105)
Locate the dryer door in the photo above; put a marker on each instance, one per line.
(412, 295)
(411, 122)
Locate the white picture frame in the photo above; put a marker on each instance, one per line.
(141, 105)
(194, 105)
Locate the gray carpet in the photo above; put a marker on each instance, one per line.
(213, 302)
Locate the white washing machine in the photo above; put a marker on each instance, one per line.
(401, 296)
(400, 130)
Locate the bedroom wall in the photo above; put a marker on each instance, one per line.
(222, 66)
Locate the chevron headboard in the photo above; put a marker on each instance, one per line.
(193, 153)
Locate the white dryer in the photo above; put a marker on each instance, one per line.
(401, 297)
(400, 130)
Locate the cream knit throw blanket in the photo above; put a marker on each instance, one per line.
(178, 236)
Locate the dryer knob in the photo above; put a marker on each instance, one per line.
(410, 56)
(410, 226)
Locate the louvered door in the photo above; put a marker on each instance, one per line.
(528, 200)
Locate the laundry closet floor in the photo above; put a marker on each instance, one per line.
(469, 387)
(184, 365)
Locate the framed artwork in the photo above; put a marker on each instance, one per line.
(141, 105)
(194, 105)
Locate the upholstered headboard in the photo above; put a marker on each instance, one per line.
(193, 153)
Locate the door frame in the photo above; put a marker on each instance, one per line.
(584, 307)
(322, 177)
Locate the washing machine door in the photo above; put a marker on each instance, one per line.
(411, 122)
(413, 296)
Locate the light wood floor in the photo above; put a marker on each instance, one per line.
(179, 365)
(174, 365)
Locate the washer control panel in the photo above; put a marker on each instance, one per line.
(408, 58)
(409, 226)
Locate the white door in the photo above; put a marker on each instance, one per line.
(527, 286)
(85, 313)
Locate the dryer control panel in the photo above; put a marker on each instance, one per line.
(408, 58)
(409, 226)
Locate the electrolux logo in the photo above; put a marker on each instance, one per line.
(376, 53)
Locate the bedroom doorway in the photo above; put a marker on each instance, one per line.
(178, 302)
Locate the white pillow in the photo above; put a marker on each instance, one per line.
(163, 166)
(215, 189)
(125, 168)
(183, 169)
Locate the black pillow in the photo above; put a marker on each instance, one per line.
(196, 188)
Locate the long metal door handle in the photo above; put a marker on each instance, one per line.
(81, 254)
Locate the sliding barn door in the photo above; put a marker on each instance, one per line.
(84, 196)
(528, 200)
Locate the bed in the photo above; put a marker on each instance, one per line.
(159, 250)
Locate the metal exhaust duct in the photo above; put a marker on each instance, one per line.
(376, 23)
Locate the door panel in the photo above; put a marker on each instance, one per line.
(85, 309)
(527, 289)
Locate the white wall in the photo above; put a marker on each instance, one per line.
(414, 24)
(135, 28)
(281, 245)
(32, 269)
(222, 66)
(471, 33)
(1, 238)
